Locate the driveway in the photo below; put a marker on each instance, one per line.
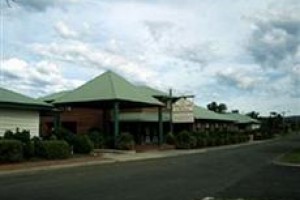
(246, 171)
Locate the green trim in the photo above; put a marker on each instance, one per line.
(20, 106)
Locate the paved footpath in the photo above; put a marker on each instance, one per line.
(244, 171)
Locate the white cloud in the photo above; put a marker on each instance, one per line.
(243, 77)
(81, 53)
(195, 47)
(65, 31)
(41, 5)
(35, 79)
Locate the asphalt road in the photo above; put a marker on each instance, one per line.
(242, 172)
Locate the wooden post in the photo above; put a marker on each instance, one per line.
(116, 121)
(160, 126)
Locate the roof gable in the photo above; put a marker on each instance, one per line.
(107, 87)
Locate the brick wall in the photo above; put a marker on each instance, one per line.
(84, 118)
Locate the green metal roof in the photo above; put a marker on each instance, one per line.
(151, 91)
(202, 113)
(241, 119)
(52, 97)
(13, 99)
(107, 87)
(142, 117)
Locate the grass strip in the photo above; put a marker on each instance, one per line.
(291, 157)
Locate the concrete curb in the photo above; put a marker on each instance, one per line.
(114, 157)
(54, 167)
(277, 161)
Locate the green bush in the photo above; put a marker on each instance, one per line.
(64, 134)
(82, 144)
(97, 138)
(23, 136)
(11, 151)
(28, 149)
(185, 140)
(125, 141)
(200, 139)
(211, 141)
(53, 149)
(170, 138)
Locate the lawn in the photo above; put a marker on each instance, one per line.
(292, 157)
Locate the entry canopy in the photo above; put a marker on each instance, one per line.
(108, 88)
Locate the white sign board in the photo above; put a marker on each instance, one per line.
(183, 111)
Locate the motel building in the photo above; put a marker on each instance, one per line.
(113, 105)
(20, 112)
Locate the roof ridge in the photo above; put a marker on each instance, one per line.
(112, 83)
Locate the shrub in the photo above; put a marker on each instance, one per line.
(64, 134)
(28, 149)
(200, 139)
(211, 141)
(82, 144)
(97, 138)
(185, 140)
(170, 138)
(125, 141)
(9, 135)
(11, 151)
(23, 136)
(53, 149)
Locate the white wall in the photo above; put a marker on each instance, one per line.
(10, 119)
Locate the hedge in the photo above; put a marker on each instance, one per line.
(53, 149)
(125, 141)
(185, 140)
(82, 144)
(11, 151)
(97, 138)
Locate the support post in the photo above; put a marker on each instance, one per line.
(171, 111)
(57, 123)
(116, 122)
(160, 126)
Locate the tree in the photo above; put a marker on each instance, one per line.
(219, 108)
(213, 106)
(222, 108)
(253, 114)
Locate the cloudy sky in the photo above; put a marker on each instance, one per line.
(243, 53)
